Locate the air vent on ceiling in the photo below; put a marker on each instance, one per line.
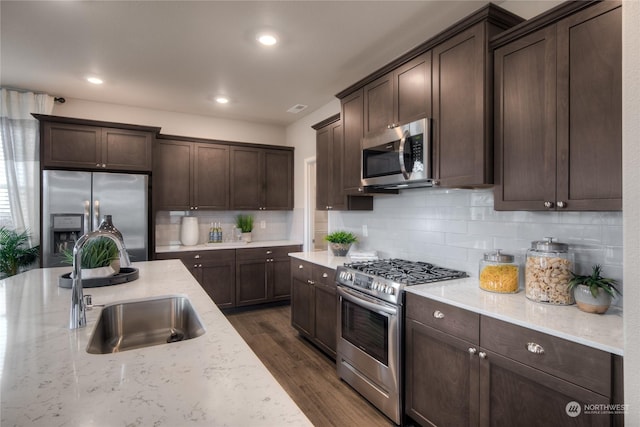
(297, 108)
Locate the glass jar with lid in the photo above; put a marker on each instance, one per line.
(499, 273)
(548, 272)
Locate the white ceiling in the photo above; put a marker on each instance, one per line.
(178, 55)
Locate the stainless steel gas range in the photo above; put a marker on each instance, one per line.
(369, 350)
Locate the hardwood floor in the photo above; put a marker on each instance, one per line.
(307, 375)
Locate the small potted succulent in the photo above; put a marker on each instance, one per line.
(15, 254)
(100, 258)
(593, 293)
(340, 242)
(245, 225)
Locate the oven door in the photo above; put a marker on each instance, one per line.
(368, 349)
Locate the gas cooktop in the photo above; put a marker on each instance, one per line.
(385, 279)
(406, 272)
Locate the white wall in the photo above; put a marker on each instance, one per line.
(631, 204)
(174, 123)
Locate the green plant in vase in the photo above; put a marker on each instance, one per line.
(244, 223)
(340, 242)
(97, 253)
(15, 254)
(593, 293)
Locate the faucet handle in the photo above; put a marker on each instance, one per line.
(88, 305)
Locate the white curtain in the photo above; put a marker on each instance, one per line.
(20, 158)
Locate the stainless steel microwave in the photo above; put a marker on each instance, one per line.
(399, 157)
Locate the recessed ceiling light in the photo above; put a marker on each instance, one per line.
(94, 80)
(267, 39)
(222, 100)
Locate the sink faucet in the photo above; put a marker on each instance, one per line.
(77, 315)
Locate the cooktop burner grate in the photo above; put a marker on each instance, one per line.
(406, 272)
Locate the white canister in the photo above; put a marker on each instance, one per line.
(189, 230)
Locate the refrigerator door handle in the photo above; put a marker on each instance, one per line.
(87, 217)
(96, 214)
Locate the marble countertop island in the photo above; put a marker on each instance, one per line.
(48, 378)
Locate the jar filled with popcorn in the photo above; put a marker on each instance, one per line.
(499, 272)
(548, 272)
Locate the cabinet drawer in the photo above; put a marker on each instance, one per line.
(301, 270)
(444, 317)
(576, 363)
(324, 276)
(266, 252)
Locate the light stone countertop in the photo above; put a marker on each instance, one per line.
(226, 245)
(604, 332)
(49, 379)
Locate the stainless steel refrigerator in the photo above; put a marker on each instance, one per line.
(74, 203)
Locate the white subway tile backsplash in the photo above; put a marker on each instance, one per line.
(454, 228)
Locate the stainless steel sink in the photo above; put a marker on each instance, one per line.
(143, 323)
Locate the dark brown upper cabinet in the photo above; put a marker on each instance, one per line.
(76, 144)
(447, 78)
(352, 133)
(558, 111)
(329, 152)
(261, 178)
(190, 176)
(399, 96)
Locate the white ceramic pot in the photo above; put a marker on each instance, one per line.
(189, 231)
(246, 237)
(590, 304)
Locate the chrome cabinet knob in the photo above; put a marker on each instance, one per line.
(561, 204)
(482, 355)
(535, 348)
(438, 314)
(325, 275)
(197, 257)
(548, 204)
(472, 351)
(300, 267)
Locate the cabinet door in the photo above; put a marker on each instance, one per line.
(590, 109)
(352, 124)
(302, 306)
(412, 90)
(71, 146)
(337, 199)
(513, 394)
(126, 150)
(218, 273)
(211, 176)
(326, 312)
(278, 180)
(441, 378)
(279, 278)
(251, 281)
(246, 178)
(459, 109)
(525, 131)
(378, 104)
(323, 168)
(172, 175)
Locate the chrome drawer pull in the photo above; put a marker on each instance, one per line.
(535, 348)
(438, 314)
(300, 267)
(197, 257)
(325, 275)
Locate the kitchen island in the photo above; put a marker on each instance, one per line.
(48, 378)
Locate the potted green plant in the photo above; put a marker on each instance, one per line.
(15, 254)
(340, 242)
(245, 225)
(593, 293)
(100, 258)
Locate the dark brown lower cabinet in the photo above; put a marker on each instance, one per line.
(314, 304)
(263, 274)
(510, 376)
(214, 270)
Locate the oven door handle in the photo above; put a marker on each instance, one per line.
(366, 301)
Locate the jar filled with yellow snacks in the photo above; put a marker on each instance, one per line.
(548, 272)
(499, 273)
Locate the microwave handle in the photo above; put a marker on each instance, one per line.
(403, 167)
